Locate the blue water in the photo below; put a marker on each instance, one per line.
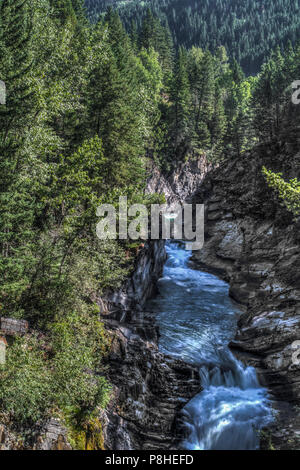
(197, 320)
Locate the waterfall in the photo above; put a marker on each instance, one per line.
(229, 412)
(197, 320)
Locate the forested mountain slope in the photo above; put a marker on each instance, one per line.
(248, 28)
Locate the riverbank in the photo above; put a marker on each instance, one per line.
(253, 243)
(149, 387)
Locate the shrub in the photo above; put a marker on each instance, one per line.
(26, 382)
(289, 192)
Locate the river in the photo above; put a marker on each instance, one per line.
(197, 320)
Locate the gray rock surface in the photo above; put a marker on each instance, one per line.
(49, 436)
(182, 183)
(254, 243)
(13, 327)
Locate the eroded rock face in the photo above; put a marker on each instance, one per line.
(52, 435)
(254, 244)
(182, 183)
(149, 387)
(142, 284)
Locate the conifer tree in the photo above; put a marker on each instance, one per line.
(16, 64)
(147, 33)
(16, 118)
(180, 106)
(218, 125)
(203, 87)
(237, 73)
(64, 10)
(112, 95)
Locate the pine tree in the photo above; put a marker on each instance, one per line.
(64, 10)
(203, 86)
(133, 34)
(180, 107)
(268, 96)
(146, 39)
(237, 73)
(15, 67)
(16, 118)
(113, 114)
(154, 35)
(218, 125)
(239, 134)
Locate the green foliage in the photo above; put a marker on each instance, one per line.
(240, 133)
(79, 342)
(60, 371)
(88, 436)
(73, 134)
(25, 383)
(180, 106)
(289, 192)
(271, 101)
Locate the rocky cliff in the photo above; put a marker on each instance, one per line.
(182, 183)
(253, 242)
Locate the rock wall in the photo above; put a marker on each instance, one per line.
(254, 243)
(142, 283)
(149, 388)
(182, 183)
(50, 436)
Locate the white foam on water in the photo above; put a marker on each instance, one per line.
(197, 320)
